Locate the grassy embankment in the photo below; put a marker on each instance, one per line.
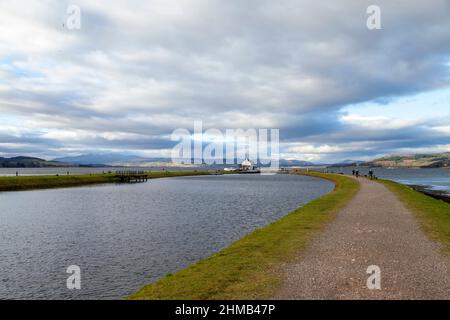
(45, 182)
(432, 214)
(247, 269)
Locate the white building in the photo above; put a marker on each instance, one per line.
(248, 166)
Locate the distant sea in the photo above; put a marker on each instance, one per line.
(435, 179)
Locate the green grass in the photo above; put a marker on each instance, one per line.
(250, 268)
(432, 214)
(45, 182)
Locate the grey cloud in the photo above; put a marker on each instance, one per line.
(292, 63)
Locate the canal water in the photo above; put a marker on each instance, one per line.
(125, 236)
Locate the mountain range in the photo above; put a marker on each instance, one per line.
(406, 160)
(113, 159)
(116, 159)
(30, 162)
(347, 163)
(100, 159)
(437, 160)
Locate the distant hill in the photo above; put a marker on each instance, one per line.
(100, 159)
(438, 160)
(347, 163)
(115, 159)
(29, 162)
(295, 163)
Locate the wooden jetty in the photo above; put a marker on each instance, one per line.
(132, 176)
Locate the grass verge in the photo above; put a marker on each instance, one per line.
(432, 214)
(46, 182)
(247, 269)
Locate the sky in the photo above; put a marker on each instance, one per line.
(137, 70)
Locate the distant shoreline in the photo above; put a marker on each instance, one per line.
(23, 183)
(436, 194)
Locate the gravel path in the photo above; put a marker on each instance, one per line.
(374, 229)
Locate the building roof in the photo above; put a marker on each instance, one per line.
(246, 163)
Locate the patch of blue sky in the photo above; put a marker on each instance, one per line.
(424, 105)
(18, 72)
(7, 60)
(8, 119)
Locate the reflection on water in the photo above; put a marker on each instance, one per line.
(124, 236)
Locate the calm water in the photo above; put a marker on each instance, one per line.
(437, 179)
(125, 236)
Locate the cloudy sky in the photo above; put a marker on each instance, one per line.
(137, 70)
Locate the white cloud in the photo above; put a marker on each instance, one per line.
(442, 129)
(378, 122)
(136, 71)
